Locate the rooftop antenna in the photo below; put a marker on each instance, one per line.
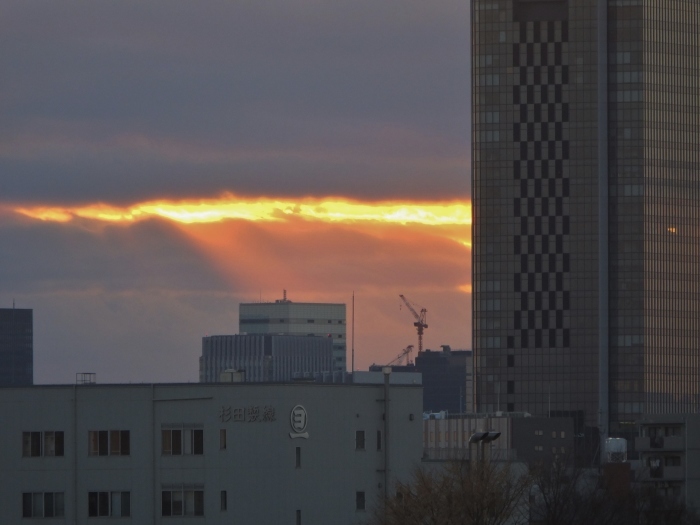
(284, 295)
(353, 331)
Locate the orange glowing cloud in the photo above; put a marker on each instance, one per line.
(321, 249)
(232, 207)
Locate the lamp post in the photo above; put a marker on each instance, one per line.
(480, 438)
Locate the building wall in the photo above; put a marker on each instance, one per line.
(445, 380)
(257, 469)
(586, 253)
(265, 357)
(534, 183)
(669, 450)
(289, 318)
(526, 439)
(16, 347)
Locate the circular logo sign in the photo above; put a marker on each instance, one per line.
(298, 419)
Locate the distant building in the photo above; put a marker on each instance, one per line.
(16, 347)
(669, 452)
(447, 379)
(208, 453)
(523, 438)
(265, 358)
(283, 317)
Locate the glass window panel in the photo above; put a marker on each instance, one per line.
(27, 505)
(38, 505)
(187, 439)
(48, 505)
(177, 442)
(103, 504)
(189, 503)
(177, 502)
(103, 441)
(93, 443)
(198, 441)
(126, 504)
(166, 503)
(116, 504)
(36, 444)
(125, 443)
(114, 442)
(167, 442)
(59, 443)
(49, 444)
(92, 504)
(199, 503)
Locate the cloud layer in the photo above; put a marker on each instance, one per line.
(131, 101)
(117, 103)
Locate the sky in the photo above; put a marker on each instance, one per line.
(163, 161)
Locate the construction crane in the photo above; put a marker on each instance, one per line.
(405, 353)
(420, 323)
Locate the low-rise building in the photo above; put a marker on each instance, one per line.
(230, 453)
(669, 455)
(522, 437)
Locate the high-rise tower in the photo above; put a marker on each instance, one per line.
(284, 317)
(16, 347)
(586, 199)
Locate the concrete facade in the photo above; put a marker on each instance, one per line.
(215, 453)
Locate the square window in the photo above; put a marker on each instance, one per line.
(360, 440)
(360, 500)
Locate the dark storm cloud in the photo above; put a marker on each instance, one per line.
(130, 100)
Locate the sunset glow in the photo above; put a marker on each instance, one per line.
(231, 207)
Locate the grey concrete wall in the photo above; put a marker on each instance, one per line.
(257, 469)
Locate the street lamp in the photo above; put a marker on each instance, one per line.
(480, 438)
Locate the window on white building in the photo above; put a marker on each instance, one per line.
(109, 443)
(48, 443)
(115, 504)
(182, 441)
(43, 505)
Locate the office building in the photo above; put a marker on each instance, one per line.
(265, 358)
(586, 207)
(284, 317)
(446, 377)
(308, 454)
(16, 347)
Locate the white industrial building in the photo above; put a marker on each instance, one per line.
(205, 453)
(284, 317)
